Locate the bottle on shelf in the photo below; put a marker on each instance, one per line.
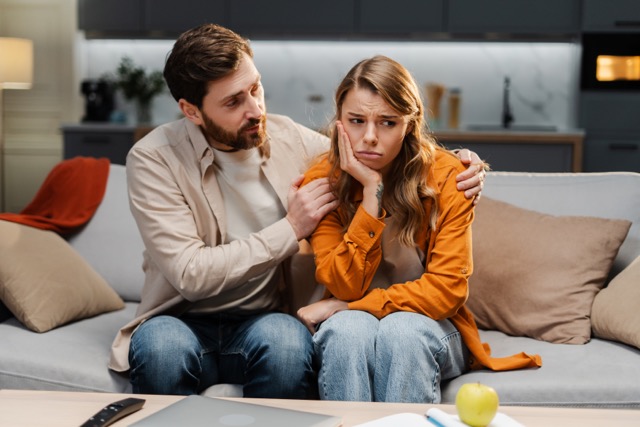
(455, 100)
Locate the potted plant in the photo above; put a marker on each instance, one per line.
(139, 86)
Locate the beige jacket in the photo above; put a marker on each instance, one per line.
(177, 205)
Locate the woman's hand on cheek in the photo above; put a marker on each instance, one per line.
(351, 165)
(314, 314)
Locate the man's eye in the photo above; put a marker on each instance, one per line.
(232, 103)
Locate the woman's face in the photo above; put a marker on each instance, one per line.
(376, 131)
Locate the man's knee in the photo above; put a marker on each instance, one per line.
(162, 337)
(165, 358)
(283, 336)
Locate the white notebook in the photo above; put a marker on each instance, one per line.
(435, 418)
(199, 411)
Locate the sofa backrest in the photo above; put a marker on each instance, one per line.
(111, 243)
(605, 195)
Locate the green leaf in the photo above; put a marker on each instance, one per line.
(136, 83)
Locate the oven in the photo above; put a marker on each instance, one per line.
(610, 101)
(610, 61)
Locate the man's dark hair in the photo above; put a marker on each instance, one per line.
(201, 55)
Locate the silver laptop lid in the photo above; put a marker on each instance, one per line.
(199, 411)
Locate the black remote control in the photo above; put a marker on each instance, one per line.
(114, 411)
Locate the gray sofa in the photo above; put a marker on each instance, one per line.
(600, 373)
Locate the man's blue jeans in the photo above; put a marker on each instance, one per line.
(270, 354)
(401, 358)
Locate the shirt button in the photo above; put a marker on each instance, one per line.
(371, 234)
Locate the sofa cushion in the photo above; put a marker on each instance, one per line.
(615, 315)
(70, 358)
(598, 374)
(111, 242)
(45, 283)
(535, 274)
(604, 195)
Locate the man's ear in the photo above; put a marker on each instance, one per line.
(191, 112)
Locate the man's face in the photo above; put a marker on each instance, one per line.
(251, 134)
(233, 114)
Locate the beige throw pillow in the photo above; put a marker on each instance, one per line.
(536, 275)
(45, 282)
(615, 315)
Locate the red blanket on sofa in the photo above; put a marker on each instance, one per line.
(68, 197)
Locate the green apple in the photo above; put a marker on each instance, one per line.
(477, 404)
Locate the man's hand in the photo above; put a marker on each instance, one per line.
(308, 205)
(312, 315)
(471, 181)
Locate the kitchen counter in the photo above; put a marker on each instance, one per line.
(520, 149)
(524, 133)
(107, 127)
(101, 139)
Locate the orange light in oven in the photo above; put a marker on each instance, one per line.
(610, 68)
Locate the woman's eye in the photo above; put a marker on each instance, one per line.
(389, 123)
(356, 121)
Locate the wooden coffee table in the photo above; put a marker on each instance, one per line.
(26, 408)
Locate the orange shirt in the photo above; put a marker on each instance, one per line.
(346, 263)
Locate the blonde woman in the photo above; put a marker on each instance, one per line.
(395, 256)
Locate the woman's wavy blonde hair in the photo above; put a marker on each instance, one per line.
(406, 184)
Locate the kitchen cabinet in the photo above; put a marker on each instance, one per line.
(292, 18)
(115, 17)
(610, 119)
(168, 18)
(101, 140)
(333, 19)
(405, 18)
(610, 153)
(513, 16)
(611, 15)
(612, 112)
(519, 151)
(141, 19)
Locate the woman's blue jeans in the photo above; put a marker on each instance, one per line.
(402, 357)
(270, 354)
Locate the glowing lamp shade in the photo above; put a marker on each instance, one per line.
(16, 63)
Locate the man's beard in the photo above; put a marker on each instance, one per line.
(239, 140)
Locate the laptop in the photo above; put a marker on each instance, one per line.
(200, 411)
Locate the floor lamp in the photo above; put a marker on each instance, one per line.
(16, 72)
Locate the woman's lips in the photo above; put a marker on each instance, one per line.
(368, 155)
